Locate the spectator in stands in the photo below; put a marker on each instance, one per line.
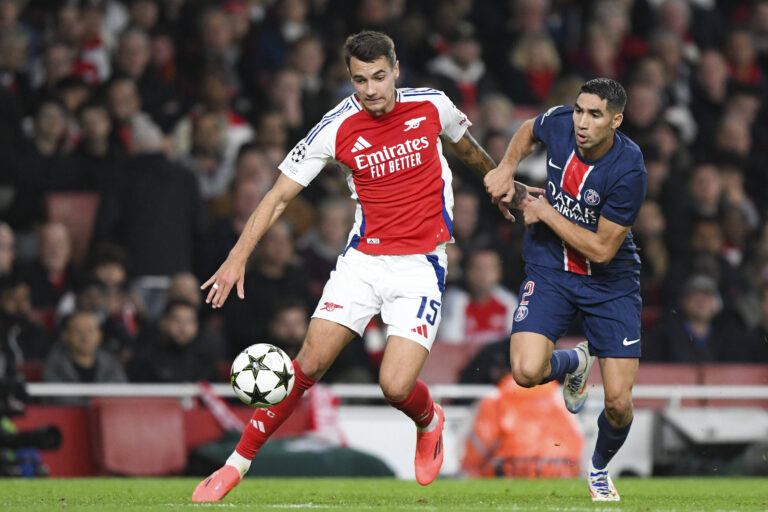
(320, 247)
(742, 59)
(56, 62)
(129, 120)
(703, 199)
(52, 274)
(671, 50)
(78, 356)
(7, 250)
(289, 325)
(144, 14)
(484, 312)
(709, 92)
(273, 270)
(644, 108)
(46, 167)
(98, 156)
(464, 72)
(176, 350)
(205, 159)
(223, 124)
(307, 57)
(92, 295)
(649, 236)
(132, 58)
(286, 96)
(599, 56)
(153, 211)
(185, 286)
(16, 315)
(705, 255)
(700, 332)
(110, 266)
(533, 67)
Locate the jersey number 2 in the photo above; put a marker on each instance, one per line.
(528, 291)
(433, 304)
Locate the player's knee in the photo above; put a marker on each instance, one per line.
(526, 374)
(311, 365)
(394, 389)
(618, 407)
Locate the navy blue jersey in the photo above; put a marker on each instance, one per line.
(613, 186)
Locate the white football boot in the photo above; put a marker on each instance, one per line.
(575, 386)
(601, 486)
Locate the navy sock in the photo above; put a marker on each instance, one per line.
(562, 362)
(609, 440)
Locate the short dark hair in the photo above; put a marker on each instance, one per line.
(368, 46)
(606, 89)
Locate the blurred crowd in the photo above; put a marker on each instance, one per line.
(136, 136)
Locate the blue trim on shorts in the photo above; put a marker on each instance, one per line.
(439, 271)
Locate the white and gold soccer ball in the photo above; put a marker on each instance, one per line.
(262, 375)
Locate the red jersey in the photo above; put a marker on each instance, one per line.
(395, 168)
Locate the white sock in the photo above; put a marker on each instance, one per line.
(432, 424)
(239, 462)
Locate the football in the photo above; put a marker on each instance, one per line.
(262, 375)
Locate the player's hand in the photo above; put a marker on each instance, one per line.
(500, 185)
(230, 273)
(535, 209)
(523, 196)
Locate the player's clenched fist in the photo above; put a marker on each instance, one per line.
(535, 210)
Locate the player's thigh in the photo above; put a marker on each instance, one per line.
(325, 340)
(619, 376)
(412, 297)
(349, 297)
(400, 366)
(544, 306)
(613, 326)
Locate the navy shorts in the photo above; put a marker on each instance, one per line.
(610, 307)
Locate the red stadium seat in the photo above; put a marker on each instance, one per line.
(77, 211)
(445, 362)
(138, 436)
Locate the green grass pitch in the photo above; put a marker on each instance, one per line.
(170, 494)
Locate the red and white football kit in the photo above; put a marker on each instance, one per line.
(395, 259)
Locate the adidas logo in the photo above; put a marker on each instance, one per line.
(422, 329)
(360, 144)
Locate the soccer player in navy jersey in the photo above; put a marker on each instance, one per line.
(580, 257)
(389, 143)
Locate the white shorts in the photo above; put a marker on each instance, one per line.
(406, 289)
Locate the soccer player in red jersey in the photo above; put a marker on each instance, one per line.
(389, 143)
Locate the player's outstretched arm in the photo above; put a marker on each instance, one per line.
(499, 182)
(472, 154)
(232, 271)
(599, 246)
(476, 158)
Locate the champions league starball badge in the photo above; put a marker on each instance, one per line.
(299, 152)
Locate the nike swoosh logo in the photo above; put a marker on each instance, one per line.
(553, 165)
(630, 342)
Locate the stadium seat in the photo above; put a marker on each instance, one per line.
(138, 436)
(445, 362)
(77, 211)
(735, 375)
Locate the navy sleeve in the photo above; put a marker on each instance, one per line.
(552, 123)
(625, 198)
